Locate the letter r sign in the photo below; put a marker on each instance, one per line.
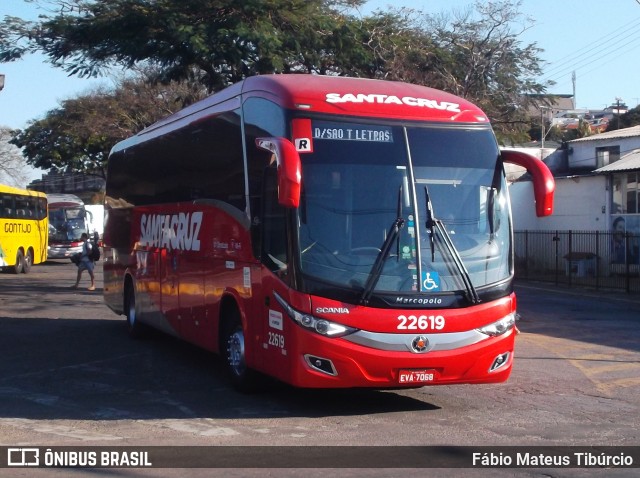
(301, 132)
(303, 145)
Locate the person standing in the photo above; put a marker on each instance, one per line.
(85, 262)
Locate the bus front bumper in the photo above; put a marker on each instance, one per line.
(338, 363)
(62, 252)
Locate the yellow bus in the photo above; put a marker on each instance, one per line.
(23, 228)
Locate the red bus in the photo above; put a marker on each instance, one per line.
(325, 231)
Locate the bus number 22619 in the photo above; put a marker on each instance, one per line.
(424, 322)
(277, 340)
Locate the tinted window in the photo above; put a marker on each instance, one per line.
(201, 161)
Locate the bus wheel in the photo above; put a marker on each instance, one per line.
(243, 378)
(28, 261)
(135, 328)
(19, 267)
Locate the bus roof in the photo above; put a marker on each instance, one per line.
(331, 95)
(63, 200)
(13, 190)
(363, 97)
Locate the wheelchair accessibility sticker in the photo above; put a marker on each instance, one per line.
(430, 281)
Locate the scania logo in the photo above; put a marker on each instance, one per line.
(332, 310)
(419, 344)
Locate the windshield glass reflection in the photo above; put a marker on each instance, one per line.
(355, 187)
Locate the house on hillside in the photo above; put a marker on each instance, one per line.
(597, 189)
(596, 183)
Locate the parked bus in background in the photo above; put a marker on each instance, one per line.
(23, 229)
(68, 219)
(325, 231)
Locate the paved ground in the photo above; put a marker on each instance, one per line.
(69, 375)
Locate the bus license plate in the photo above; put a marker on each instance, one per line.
(417, 376)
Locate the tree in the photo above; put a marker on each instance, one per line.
(214, 42)
(219, 42)
(626, 120)
(13, 168)
(475, 54)
(77, 136)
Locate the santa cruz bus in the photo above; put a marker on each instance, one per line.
(23, 229)
(325, 231)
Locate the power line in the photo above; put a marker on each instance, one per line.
(595, 53)
(609, 60)
(599, 44)
(607, 55)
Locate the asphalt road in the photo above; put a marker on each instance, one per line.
(71, 376)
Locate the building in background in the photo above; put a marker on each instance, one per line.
(90, 188)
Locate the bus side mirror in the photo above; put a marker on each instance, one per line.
(289, 176)
(543, 182)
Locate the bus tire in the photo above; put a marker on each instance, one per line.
(233, 344)
(28, 261)
(134, 327)
(19, 266)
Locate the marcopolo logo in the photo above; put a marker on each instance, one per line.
(173, 231)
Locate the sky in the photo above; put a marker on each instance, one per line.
(598, 39)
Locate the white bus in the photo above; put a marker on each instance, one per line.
(68, 219)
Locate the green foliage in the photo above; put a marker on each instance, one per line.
(627, 120)
(214, 43)
(77, 136)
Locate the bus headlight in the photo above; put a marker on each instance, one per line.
(500, 327)
(315, 324)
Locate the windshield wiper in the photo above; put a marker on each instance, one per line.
(376, 269)
(430, 223)
(493, 191)
(449, 248)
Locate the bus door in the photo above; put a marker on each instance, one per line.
(277, 346)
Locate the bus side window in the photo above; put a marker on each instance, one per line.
(6, 210)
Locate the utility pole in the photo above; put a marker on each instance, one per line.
(1, 81)
(542, 131)
(542, 134)
(618, 99)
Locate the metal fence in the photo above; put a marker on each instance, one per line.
(603, 260)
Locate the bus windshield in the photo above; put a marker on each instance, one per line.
(66, 224)
(365, 182)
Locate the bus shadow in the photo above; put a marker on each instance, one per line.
(86, 369)
(56, 263)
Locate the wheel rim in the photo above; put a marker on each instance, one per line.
(19, 267)
(235, 352)
(28, 262)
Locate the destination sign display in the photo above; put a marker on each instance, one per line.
(325, 130)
